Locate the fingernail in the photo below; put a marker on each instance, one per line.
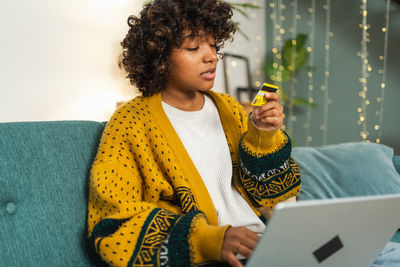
(267, 94)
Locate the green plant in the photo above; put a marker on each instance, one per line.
(242, 8)
(282, 69)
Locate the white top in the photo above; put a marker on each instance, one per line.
(202, 135)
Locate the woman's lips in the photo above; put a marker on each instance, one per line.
(209, 74)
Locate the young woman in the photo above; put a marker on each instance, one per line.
(181, 172)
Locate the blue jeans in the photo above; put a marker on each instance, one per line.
(389, 257)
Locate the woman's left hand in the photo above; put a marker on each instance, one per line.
(270, 115)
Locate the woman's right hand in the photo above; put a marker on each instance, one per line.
(238, 240)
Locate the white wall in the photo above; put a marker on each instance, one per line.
(254, 49)
(58, 59)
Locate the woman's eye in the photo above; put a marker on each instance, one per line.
(213, 45)
(192, 48)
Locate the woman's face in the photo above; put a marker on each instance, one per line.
(193, 65)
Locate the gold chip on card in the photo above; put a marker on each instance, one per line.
(259, 99)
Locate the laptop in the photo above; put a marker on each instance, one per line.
(329, 232)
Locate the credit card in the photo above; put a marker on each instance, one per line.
(259, 99)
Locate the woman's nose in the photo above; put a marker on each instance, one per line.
(210, 54)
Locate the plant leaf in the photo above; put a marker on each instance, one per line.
(285, 74)
(301, 59)
(301, 39)
(245, 5)
(287, 53)
(301, 56)
(240, 7)
(273, 73)
(241, 11)
(236, 24)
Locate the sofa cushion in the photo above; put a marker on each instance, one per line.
(396, 162)
(345, 170)
(44, 168)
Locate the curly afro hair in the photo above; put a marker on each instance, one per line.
(159, 28)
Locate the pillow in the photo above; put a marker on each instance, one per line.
(345, 170)
(396, 162)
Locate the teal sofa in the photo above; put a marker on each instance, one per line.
(44, 169)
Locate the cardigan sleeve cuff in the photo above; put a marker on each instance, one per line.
(207, 241)
(261, 141)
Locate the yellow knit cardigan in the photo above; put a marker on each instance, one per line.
(148, 205)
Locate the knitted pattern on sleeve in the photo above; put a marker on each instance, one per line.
(263, 171)
(268, 173)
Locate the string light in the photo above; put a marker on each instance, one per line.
(310, 75)
(275, 25)
(258, 72)
(325, 87)
(380, 99)
(277, 40)
(364, 75)
(278, 31)
(292, 67)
